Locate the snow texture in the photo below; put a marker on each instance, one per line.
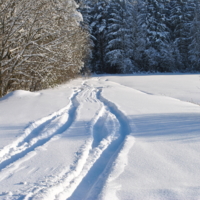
(107, 137)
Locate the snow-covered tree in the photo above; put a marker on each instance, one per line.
(140, 35)
(194, 47)
(115, 49)
(157, 54)
(41, 42)
(144, 35)
(98, 26)
(182, 15)
(120, 37)
(131, 27)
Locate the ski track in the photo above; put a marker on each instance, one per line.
(92, 184)
(93, 162)
(37, 134)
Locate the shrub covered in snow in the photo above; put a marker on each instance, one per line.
(41, 43)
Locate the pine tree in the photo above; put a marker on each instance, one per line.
(182, 15)
(98, 26)
(119, 51)
(143, 35)
(130, 37)
(140, 33)
(115, 47)
(194, 47)
(158, 53)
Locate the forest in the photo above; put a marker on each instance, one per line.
(144, 35)
(49, 42)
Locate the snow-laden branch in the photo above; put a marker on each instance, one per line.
(41, 43)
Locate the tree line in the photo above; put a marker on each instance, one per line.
(41, 43)
(47, 42)
(143, 35)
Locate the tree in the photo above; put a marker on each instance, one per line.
(194, 47)
(98, 26)
(158, 54)
(119, 50)
(144, 35)
(42, 44)
(182, 15)
(140, 35)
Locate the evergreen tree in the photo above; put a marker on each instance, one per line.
(158, 52)
(98, 26)
(182, 16)
(130, 42)
(115, 49)
(140, 33)
(194, 47)
(143, 35)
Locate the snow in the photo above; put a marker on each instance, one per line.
(20, 93)
(185, 87)
(106, 137)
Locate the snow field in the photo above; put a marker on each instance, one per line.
(163, 161)
(107, 140)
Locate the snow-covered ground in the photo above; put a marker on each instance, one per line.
(131, 137)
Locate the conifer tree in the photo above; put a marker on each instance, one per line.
(98, 26)
(140, 35)
(194, 47)
(158, 54)
(119, 51)
(182, 15)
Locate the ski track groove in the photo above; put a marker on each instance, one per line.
(87, 175)
(39, 133)
(68, 180)
(90, 188)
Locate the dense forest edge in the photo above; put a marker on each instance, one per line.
(145, 35)
(46, 43)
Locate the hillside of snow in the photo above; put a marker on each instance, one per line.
(109, 137)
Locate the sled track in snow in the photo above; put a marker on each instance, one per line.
(93, 182)
(87, 175)
(85, 179)
(39, 133)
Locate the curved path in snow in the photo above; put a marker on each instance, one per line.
(84, 150)
(36, 135)
(93, 182)
(87, 176)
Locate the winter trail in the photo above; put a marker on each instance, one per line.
(107, 128)
(36, 135)
(92, 184)
(84, 150)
